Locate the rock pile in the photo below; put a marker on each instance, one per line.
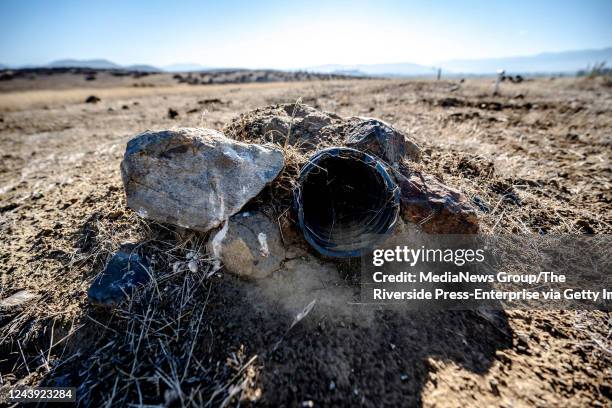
(425, 201)
(218, 182)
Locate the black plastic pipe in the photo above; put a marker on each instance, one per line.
(346, 202)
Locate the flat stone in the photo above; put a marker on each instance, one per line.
(17, 300)
(194, 178)
(124, 272)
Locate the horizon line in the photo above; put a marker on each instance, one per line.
(212, 67)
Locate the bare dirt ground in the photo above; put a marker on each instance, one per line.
(534, 160)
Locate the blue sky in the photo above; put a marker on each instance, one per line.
(292, 34)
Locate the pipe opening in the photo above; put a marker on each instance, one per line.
(346, 202)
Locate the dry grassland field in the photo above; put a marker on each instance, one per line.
(533, 160)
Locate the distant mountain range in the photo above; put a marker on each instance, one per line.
(545, 63)
(100, 64)
(106, 64)
(567, 62)
(401, 69)
(548, 62)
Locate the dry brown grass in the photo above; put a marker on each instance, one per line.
(35, 99)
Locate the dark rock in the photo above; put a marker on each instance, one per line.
(435, 207)
(125, 107)
(172, 113)
(382, 140)
(451, 102)
(125, 271)
(92, 99)
(8, 207)
(194, 178)
(209, 101)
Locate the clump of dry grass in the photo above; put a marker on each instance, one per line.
(511, 204)
(159, 344)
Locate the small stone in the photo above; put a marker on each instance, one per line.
(125, 271)
(523, 350)
(17, 300)
(194, 178)
(250, 246)
(172, 113)
(494, 386)
(522, 339)
(92, 99)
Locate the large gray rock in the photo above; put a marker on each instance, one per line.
(194, 178)
(249, 245)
